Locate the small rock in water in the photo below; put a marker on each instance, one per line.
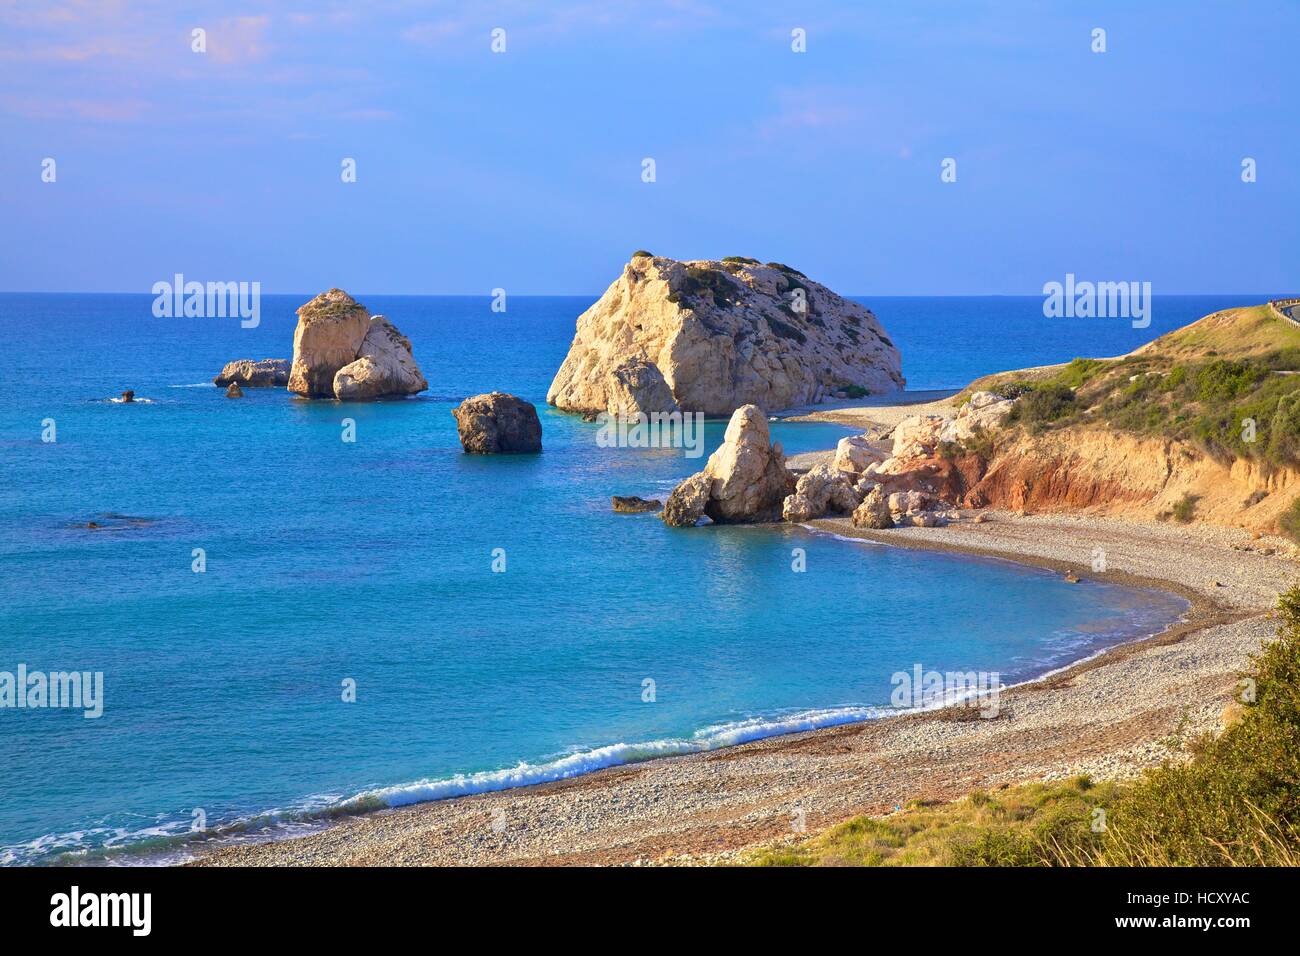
(1071, 577)
(497, 424)
(631, 504)
(234, 391)
(128, 396)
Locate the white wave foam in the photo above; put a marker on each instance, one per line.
(574, 765)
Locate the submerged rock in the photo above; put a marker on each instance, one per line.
(744, 480)
(631, 504)
(265, 373)
(498, 423)
(720, 335)
(339, 351)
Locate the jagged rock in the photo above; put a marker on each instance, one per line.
(744, 480)
(128, 396)
(908, 502)
(631, 504)
(685, 506)
(498, 424)
(638, 387)
(817, 492)
(723, 335)
(384, 366)
(857, 453)
(247, 373)
(873, 512)
(234, 391)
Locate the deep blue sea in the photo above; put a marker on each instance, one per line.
(371, 562)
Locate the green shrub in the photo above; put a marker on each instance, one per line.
(1290, 521)
(1043, 405)
(1184, 508)
(642, 252)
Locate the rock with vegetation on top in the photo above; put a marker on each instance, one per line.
(246, 373)
(498, 424)
(819, 491)
(336, 334)
(723, 334)
(744, 480)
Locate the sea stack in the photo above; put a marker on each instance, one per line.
(341, 351)
(710, 336)
(498, 424)
(744, 480)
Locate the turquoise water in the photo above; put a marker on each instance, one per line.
(372, 562)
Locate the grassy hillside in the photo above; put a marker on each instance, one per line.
(1236, 802)
(1228, 384)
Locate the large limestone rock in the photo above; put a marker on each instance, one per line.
(498, 424)
(637, 387)
(744, 480)
(983, 413)
(722, 335)
(817, 492)
(336, 334)
(918, 436)
(857, 453)
(384, 366)
(873, 512)
(247, 373)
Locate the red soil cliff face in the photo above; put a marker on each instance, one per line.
(1106, 472)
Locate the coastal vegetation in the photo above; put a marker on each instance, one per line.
(1227, 385)
(1234, 801)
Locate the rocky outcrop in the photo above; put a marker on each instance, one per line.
(339, 351)
(984, 413)
(498, 424)
(686, 505)
(744, 480)
(637, 387)
(855, 454)
(820, 491)
(246, 373)
(384, 366)
(721, 334)
(631, 504)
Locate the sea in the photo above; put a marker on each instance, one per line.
(289, 625)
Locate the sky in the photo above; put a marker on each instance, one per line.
(524, 169)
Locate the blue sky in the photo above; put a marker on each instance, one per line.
(522, 170)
